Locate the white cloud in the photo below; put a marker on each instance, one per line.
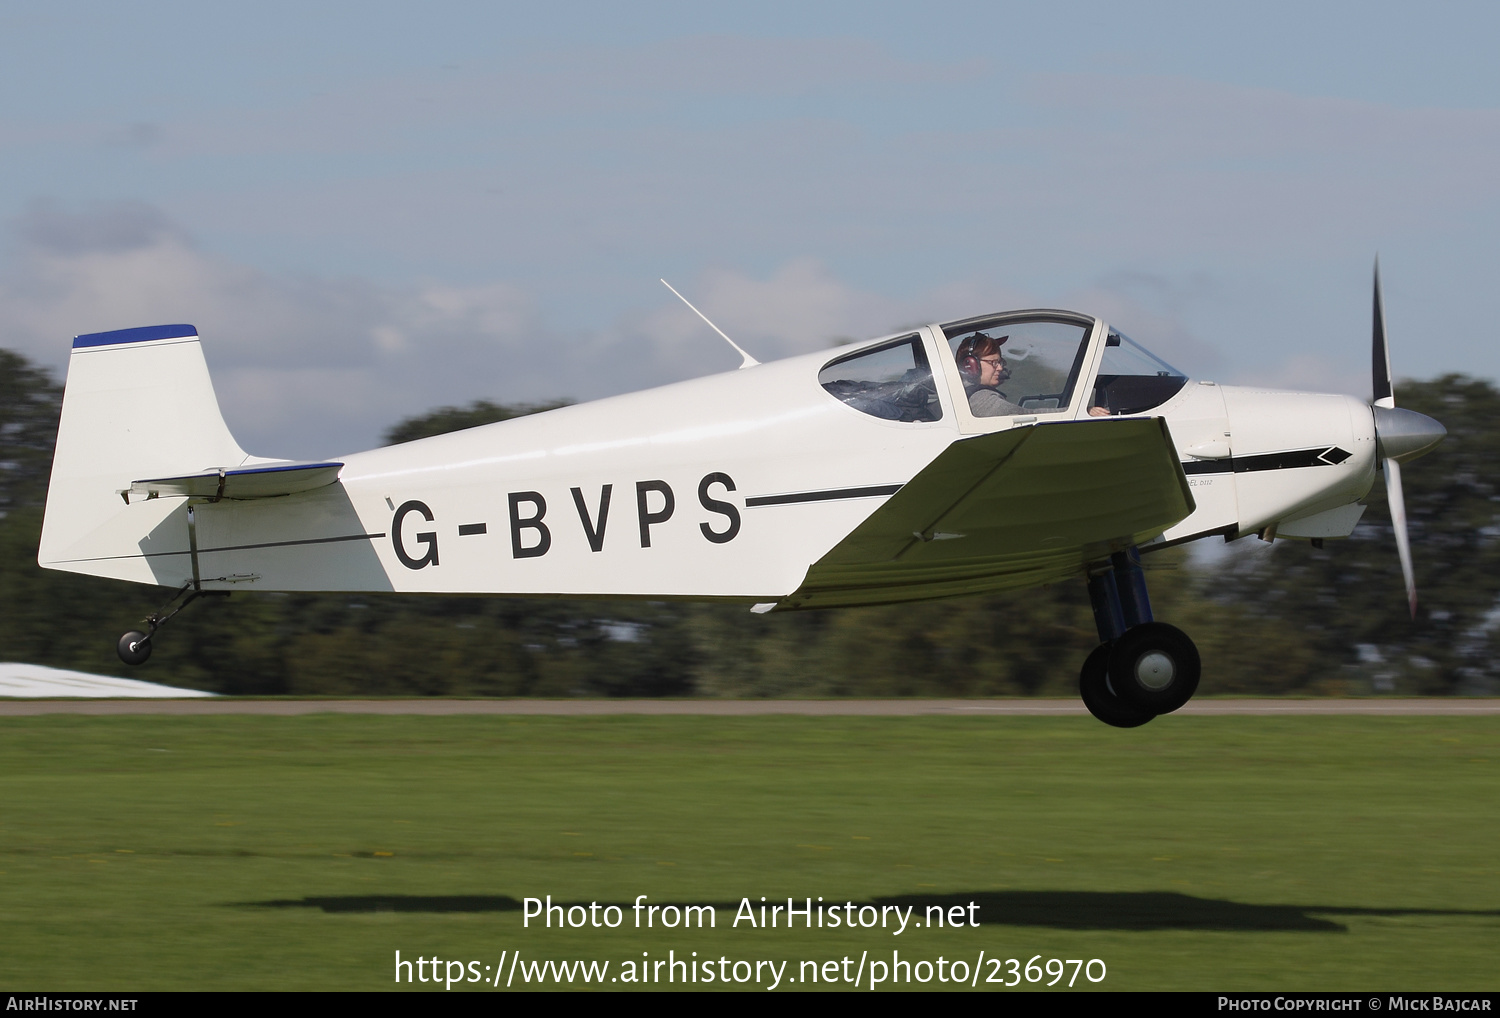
(302, 365)
(307, 366)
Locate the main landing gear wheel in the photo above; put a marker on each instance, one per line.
(1100, 699)
(135, 648)
(1154, 667)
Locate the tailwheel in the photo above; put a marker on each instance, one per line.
(1154, 667)
(1100, 698)
(134, 647)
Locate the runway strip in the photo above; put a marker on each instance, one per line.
(736, 708)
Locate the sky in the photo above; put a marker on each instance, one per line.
(373, 209)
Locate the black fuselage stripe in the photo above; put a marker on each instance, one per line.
(1326, 456)
(828, 495)
(290, 544)
(238, 547)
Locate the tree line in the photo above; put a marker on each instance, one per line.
(1281, 618)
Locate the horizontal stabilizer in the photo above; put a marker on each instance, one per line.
(263, 481)
(1012, 509)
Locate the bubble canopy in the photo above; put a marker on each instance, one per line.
(1018, 363)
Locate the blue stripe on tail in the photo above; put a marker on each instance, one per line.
(140, 335)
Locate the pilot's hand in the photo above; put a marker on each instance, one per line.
(1098, 411)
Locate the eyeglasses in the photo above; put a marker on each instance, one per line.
(993, 361)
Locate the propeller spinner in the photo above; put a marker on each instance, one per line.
(1400, 436)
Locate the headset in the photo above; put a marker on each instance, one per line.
(968, 360)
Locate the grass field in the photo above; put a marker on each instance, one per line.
(1196, 853)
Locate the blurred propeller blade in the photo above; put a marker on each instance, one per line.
(1399, 435)
(1380, 358)
(1397, 501)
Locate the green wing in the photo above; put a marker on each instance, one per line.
(1013, 509)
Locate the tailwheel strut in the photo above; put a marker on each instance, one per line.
(135, 646)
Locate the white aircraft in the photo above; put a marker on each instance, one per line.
(993, 453)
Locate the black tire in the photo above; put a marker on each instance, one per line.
(1155, 667)
(1100, 699)
(134, 648)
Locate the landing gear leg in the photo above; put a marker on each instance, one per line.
(1141, 667)
(135, 646)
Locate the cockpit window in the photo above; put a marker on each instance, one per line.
(1133, 380)
(1018, 367)
(892, 382)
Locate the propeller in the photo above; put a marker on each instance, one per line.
(1400, 437)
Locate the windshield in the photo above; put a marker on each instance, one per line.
(1133, 380)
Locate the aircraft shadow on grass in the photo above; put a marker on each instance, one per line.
(1066, 910)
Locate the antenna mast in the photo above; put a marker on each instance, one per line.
(748, 362)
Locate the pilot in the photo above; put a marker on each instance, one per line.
(983, 370)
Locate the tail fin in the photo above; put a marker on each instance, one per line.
(138, 403)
